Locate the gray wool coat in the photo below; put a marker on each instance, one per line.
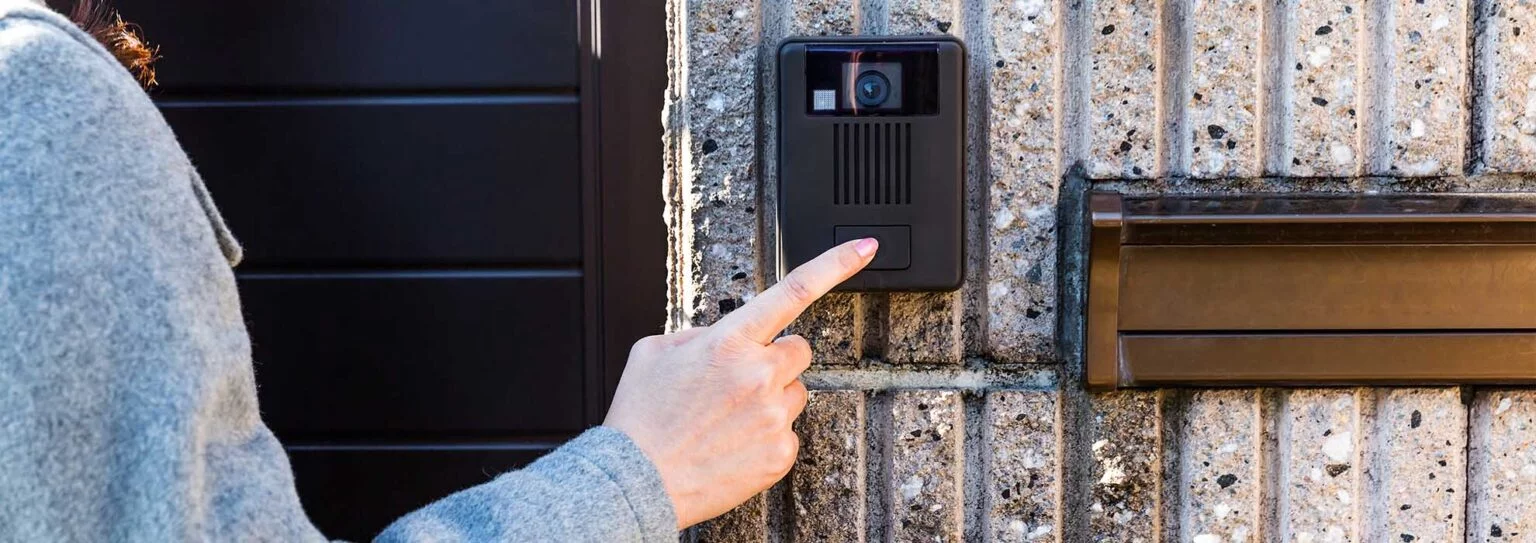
(127, 399)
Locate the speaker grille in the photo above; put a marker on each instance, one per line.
(872, 163)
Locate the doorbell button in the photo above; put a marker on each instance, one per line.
(895, 244)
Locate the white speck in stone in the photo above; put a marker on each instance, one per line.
(1207, 538)
(1033, 460)
(1335, 534)
(1305, 537)
(1342, 155)
(1339, 446)
(935, 507)
(1113, 473)
(740, 13)
(1423, 167)
(848, 442)
(1002, 219)
(1316, 475)
(1040, 531)
(1222, 510)
(1100, 444)
(998, 290)
(1036, 213)
(715, 103)
(1439, 22)
(1344, 497)
(1229, 448)
(912, 487)
(1504, 405)
(1319, 56)
(1216, 163)
(1531, 83)
(1016, 525)
(1529, 471)
(1097, 507)
(1416, 128)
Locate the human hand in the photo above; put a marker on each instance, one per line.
(712, 407)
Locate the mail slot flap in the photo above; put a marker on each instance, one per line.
(1183, 289)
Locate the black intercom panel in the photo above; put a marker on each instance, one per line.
(872, 144)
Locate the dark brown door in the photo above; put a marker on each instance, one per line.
(452, 218)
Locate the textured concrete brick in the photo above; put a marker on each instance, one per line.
(711, 179)
(1219, 466)
(1417, 482)
(1023, 467)
(923, 327)
(1122, 116)
(1503, 467)
(834, 325)
(827, 484)
(1511, 83)
(1021, 215)
(1319, 466)
(1224, 72)
(923, 17)
(1127, 464)
(1427, 132)
(1325, 81)
(745, 524)
(927, 466)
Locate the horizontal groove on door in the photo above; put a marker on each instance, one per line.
(416, 358)
(381, 184)
(359, 44)
(355, 494)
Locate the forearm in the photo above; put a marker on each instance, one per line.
(598, 487)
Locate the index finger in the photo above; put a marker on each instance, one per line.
(770, 312)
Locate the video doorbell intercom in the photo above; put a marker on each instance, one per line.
(872, 144)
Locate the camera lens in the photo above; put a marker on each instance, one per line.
(872, 89)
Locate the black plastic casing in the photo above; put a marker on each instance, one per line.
(892, 173)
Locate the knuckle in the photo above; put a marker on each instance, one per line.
(797, 290)
(784, 450)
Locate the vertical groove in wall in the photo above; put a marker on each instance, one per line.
(1478, 450)
(877, 471)
(1276, 49)
(977, 29)
(1173, 87)
(1073, 415)
(1377, 60)
(1270, 410)
(1480, 44)
(974, 450)
(1072, 67)
(1371, 509)
(771, 16)
(671, 124)
(1172, 501)
(777, 516)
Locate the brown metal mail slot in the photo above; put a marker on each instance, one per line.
(1310, 289)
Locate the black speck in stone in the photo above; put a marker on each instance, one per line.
(917, 433)
(1319, 101)
(1351, 112)
(1125, 146)
(1298, 65)
(1136, 170)
(944, 26)
(1407, 538)
(710, 146)
(1323, 30)
(1034, 87)
(1199, 97)
(1007, 494)
(1295, 161)
(1516, 30)
(1415, 419)
(727, 305)
(922, 407)
(1334, 470)
(1405, 507)
(1216, 131)
(739, 276)
(1415, 36)
(750, 209)
(1495, 531)
(999, 64)
(1108, 29)
(1031, 313)
(1432, 477)
(1226, 480)
(1442, 463)
(1348, 9)
(1231, 144)
(1019, 416)
(1327, 432)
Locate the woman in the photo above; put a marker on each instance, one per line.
(127, 400)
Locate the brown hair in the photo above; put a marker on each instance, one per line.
(124, 40)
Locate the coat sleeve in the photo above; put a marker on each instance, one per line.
(598, 487)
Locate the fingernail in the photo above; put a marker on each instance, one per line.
(866, 247)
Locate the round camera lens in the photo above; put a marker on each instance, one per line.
(872, 89)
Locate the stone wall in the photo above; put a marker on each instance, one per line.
(948, 417)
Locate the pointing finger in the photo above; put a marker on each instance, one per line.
(766, 315)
